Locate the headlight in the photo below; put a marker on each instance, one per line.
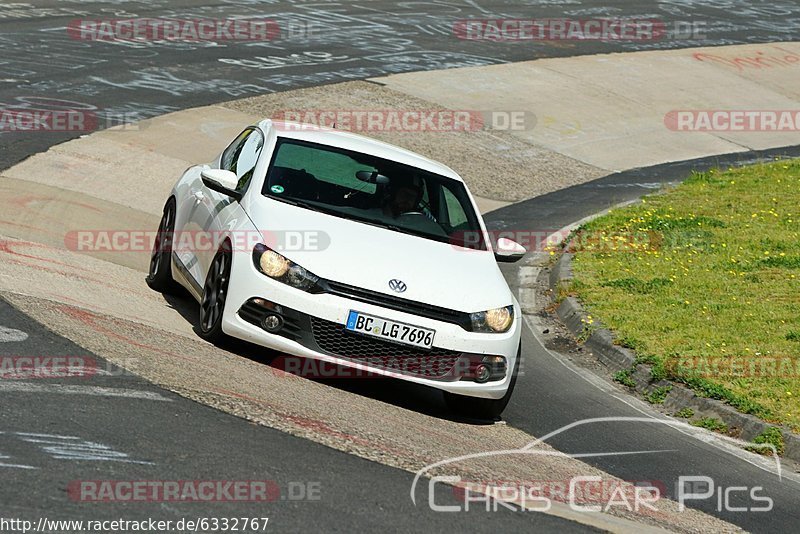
(274, 265)
(496, 320)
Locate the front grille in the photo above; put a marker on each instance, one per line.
(334, 339)
(396, 303)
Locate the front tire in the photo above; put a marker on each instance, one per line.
(159, 276)
(215, 293)
(478, 408)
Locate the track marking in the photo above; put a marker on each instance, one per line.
(11, 335)
(70, 448)
(96, 391)
(17, 466)
(75, 449)
(35, 435)
(13, 466)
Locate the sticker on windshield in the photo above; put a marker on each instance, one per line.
(276, 189)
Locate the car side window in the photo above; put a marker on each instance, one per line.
(228, 159)
(455, 211)
(242, 155)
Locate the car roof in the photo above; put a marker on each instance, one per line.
(357, 143)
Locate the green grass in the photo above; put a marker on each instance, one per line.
(772, 436)
(685, 413)
(710, 423)
(716, 279)
(658, 395)
(624, 378)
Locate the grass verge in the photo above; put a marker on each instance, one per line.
(703, 282)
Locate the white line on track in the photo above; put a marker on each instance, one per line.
(96, 391)
(18, 466)
(9, 335)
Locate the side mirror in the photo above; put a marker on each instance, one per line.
(221, 181)
(508, 251)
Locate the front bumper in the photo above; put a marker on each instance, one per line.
(314, 328)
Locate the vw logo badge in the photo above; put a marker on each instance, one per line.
(398, 286)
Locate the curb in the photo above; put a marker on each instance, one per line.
(601, 343)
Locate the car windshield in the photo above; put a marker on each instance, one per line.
(372, 190)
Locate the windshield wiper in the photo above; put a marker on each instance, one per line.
(401, 229)
(387, 225)
(299, 203)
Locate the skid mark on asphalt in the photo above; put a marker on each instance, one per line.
(8, 247)
(26, 226)
(90, 319)
(25, 201)
(314, 425)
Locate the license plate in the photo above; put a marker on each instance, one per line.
(390, 330)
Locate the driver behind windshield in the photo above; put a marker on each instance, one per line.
(402, 201)
(402, 196)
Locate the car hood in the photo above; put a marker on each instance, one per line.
(368, 257)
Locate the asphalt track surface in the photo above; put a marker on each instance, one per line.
(42, 68)
(56, 438)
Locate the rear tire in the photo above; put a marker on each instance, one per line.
(215, 293)
(159, 276)
(478, 408)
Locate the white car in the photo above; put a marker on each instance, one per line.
(327, 245)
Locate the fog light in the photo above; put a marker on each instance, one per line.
(482, 373)
(272, 323)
